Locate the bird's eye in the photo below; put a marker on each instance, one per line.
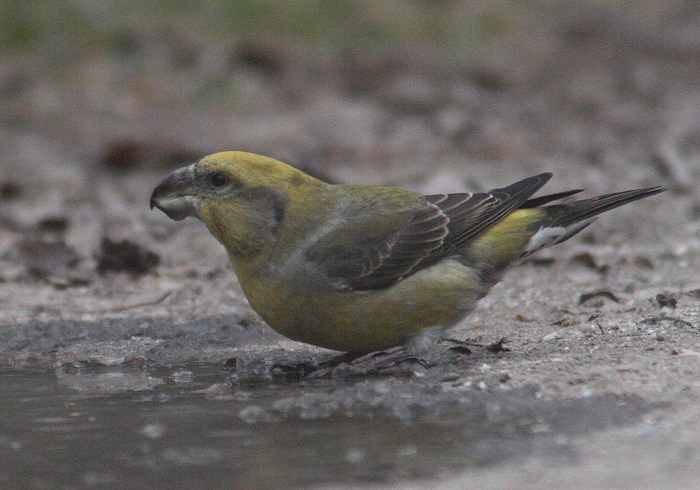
(219, 180)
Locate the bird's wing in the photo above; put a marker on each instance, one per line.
(470, 215)
(389, 246)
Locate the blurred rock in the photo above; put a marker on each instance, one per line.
(127, 155)
(125, 256)
(10, 191)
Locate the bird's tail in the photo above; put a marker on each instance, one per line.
(567, 219)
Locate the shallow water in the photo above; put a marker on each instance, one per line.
(189, 427)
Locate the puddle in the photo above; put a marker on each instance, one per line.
(187, 427)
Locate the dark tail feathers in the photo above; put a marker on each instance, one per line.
(570, 213)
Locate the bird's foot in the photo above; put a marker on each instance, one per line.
(354, 364)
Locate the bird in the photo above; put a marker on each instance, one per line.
(358, 268)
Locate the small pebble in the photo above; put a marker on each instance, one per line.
(253, 414)
(449, 376)
(153, 431)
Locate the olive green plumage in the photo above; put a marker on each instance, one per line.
(361, 268)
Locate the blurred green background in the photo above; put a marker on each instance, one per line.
(56, 37)
(93, 74)
(69, 30)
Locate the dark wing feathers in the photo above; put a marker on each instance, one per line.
(476, 213)
(436, 229)
(542, 200)
(424, 233)
(569, 213)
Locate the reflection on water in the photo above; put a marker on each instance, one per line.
(186, 427)
(108, 382)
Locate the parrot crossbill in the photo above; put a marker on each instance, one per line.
(363, 268)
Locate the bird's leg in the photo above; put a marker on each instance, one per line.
(352, 363)
(360, 364)
(377, 361)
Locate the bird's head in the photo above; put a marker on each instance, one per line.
(218, 178)
(241, 197)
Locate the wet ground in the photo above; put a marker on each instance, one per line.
(82, 426)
